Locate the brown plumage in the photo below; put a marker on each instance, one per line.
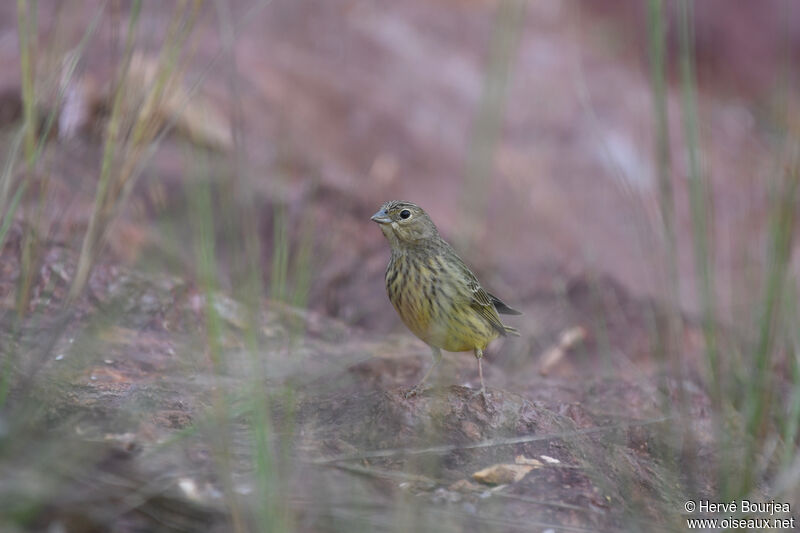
(436, 295)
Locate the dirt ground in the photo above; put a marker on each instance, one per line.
(339, 106)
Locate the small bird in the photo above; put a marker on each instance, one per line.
(436, 295)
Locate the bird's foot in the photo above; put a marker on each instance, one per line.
(483, 394)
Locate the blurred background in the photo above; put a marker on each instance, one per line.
(196, 332)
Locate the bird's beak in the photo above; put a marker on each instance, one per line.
(381, 217)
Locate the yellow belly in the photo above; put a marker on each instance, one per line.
(439, 320)
(456, 329)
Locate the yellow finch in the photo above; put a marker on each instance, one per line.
(436, 295)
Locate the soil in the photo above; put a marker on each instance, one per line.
(340, 106)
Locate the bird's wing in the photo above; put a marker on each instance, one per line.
(501, 306)
(469, 290)
(477, 297)
(484, 306)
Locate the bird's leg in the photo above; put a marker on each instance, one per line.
(479, 357)
(437, 358)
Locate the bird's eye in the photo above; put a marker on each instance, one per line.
(405, 213)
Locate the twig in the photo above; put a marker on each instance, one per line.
(446, 448)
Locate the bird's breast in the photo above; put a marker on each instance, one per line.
(428, 304)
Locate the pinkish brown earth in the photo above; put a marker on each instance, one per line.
(339, 106)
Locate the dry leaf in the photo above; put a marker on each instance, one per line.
(500, 474)
(193, 115)
(568, 338)
(522, 460)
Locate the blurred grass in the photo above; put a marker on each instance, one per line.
(201, 211)
(35, 135)
(699, 199)
(487, 127)
(129, 139)
(28, 36)
(743, 390)
(27, 31)
(668, 334)
(666, 194)
(763, 415)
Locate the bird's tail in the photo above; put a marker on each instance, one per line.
(511, 331)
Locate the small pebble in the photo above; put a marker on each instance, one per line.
(448, 495)
(244, 489)
(59, 357)
(189, 488)
(213, 492)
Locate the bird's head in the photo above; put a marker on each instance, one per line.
(405, 223)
